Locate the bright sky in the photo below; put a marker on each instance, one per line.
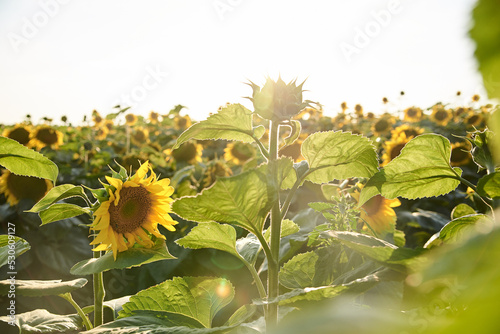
(68, 57)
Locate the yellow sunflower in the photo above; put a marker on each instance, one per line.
(383, 125)
(140, 136)
(473, 120)
(101, 133)
(440, 115)
(215, 169)
(460, 154)
(475, 98)
(189, 152)
(182, 122)
(378, 213)
(413, 114)
(18, 187)
(20, 133)
(46, 136)
(358, 110)
(109, 124)
(130, 119)
(393, 147)
(294, 150)
(135, 207)
(239, 153)
(408, 130)
(154, 117)
(97, 118)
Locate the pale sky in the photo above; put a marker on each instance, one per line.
(70, 57)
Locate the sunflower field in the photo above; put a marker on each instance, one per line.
(274, 218)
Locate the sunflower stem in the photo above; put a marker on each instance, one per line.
(273, 260)
(85, 319)
(98, 295)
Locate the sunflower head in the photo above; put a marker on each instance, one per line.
(413, 114)
(189, 152)
(383, 125)
(473, 120)
(46, 136)
(215, 169)
(20, 133)
(460, 154)
(130, 119)
(140, 136)
(358, 110)
(182, 122)
(97, 118)
(440, 115)
(239, 152)
(154, 117)
(132, 210)
(408, 130)
(294, 150)
(393, 147)
(475, 98)
(18, 187)
(101, 133)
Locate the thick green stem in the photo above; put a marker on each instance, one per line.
(98, 296)
(86, 321)
(273, 261)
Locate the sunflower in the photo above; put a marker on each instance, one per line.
(293, 150)
(46, 136)
(215, 169)
(440, 115)
(382, 126)
(20, 133)
(109, 124)
(475, 97)
(460, 154)
(140, 136)
(378, 213)
(393, 147)
(358, 110)
(18, 187)
(473, 119)
(131, 214)
(408, 130)
(97, 118)
(182, 122)
(130, 119)
(239, 153)
(189, 152)
(101, 133)
(154, 117)
(413, 114)
(343, 105)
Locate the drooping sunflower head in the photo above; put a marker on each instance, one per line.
(189, 152)
(140, 136)
(130, 119)
(413, 114)
(215, 169)
(408, 130)
(182, 122)
(46, 136)
(132, 211)
(460, 154)
(383, 125)
(440, 115)
(20, 133)
(239, 152)
(18, 187)
(393, 147)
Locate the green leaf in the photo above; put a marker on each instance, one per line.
(381, 251)
(241, 315)
(199, 298)
(494, 125)
(296, 127)
(211, 235)
(61, 211)
(248, 247)
(133, 257)
(461, 210)
(489, 185)
(338, 155)
(243, 200)
(15, 245)
(287, 174)
(486, 33)
(33, 288)
(233, 122)
(287, 227)
(459, 228)
(310, 269)
(421, 170)
(23, 161)
(57, 194)
(43, 322)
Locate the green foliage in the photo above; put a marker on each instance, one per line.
(462, 210)
(34, 288)
(233, 122)
(62, 211)
(338, 155)
(421, 170)
(23, 161)
(296, 127)
(44, 322)
(132, 257)
(57, 194)
(489, 185)
(17, 246)
(460, 228)
(199, 298)
(288, 227)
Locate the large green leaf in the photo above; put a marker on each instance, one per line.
(489, 185)
(338, 155)
(381, 251)
(233, 122)
(199, 298)
(23, 161)
(57, 194)
(17, 246)
(421, 170)
(61, 211)
(44, 322)
(211, 235)
(243, 200)
(458, 229)
(288, 227)
(133, 257)
(35, 288)
(486, 33)
(461, 210)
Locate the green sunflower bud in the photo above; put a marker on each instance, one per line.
(278, 101)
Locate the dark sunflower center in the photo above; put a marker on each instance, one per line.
(26, 187)
(412, 112)
(140, 136)
(132, 210)
(373, 205)
(396, 150)
(47, 136)
(130, 118)
(459, 155)
(441, 115)
(186, 152)
(241, 152)
(473, 119)
(21, 135)
(182, 122)
(381, 125)
(411, 133)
